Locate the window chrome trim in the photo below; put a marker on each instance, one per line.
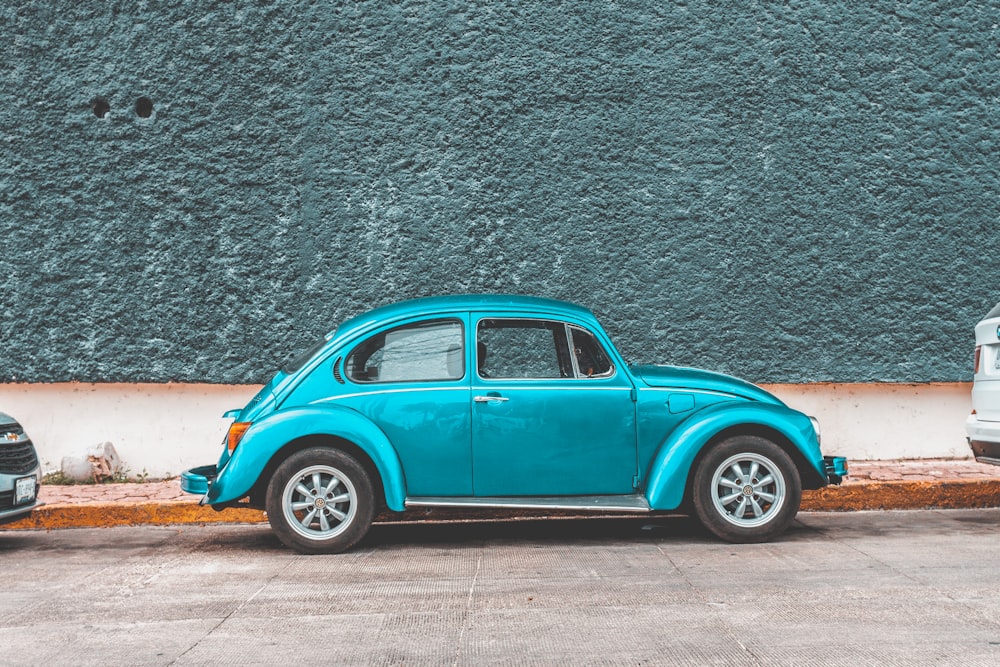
(415, 323)
(479, 318)
(576, 364)
(572, 350)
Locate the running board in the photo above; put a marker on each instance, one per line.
(634, 503)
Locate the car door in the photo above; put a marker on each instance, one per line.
(551, 415)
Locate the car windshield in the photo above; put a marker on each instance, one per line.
(297, 361)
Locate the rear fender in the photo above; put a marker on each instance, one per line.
(671, 466)
(265, 438)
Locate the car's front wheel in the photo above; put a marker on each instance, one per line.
(746, 489)
(320, 501)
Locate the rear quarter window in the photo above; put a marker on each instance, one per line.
(420, 352)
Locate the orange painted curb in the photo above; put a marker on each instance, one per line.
(953, 494)
(106, 515)
(895, 495)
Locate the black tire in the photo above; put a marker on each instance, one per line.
(757, 505)
(312, 514)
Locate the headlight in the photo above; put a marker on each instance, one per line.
(815, 423)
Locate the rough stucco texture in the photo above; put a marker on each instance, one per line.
(791, 193)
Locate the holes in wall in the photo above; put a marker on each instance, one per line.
(100, 106)
(144, 107)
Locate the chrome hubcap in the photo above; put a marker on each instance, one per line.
(748, 490)
(319, 502)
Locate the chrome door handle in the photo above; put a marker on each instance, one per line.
(487, 399)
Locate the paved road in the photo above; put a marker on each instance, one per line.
(857, 588)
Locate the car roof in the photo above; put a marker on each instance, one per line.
(456, 303)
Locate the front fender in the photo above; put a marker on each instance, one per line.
(671, 466)
(265, 438)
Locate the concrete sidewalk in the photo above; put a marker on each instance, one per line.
(872, 485)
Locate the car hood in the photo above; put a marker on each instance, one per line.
(693, 378)
(6, 419)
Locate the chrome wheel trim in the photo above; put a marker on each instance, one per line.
(319, 502)
(748, 490)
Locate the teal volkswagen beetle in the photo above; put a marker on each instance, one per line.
(511, 402)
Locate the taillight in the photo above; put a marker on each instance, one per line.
(236, 431)
(979, 352)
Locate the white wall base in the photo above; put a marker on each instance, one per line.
(160, 429)
(163, 429)
(886, 421)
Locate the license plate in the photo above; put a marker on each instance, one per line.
(25, 489)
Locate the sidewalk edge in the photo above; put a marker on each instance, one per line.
(893, 495)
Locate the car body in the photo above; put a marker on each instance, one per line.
(20, 473)
(983, 425)
(505, 401)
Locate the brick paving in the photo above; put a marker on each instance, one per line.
(921, 470)
(168, 491)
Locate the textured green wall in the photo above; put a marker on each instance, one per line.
(790, 193)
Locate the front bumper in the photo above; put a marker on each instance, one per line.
(835, 468)
(198, 481)
(9, 511)
(19, 512)
(984, 439)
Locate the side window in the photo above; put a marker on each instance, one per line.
(425, 351)
(591, 359)
(522, 349)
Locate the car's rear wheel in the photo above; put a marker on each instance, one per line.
(746, 489)
(320, 501)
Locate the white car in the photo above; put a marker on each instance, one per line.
(20, 474)
(983, 425)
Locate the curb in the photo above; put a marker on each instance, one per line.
(896, 495)
(107, 515)
(946, 494)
